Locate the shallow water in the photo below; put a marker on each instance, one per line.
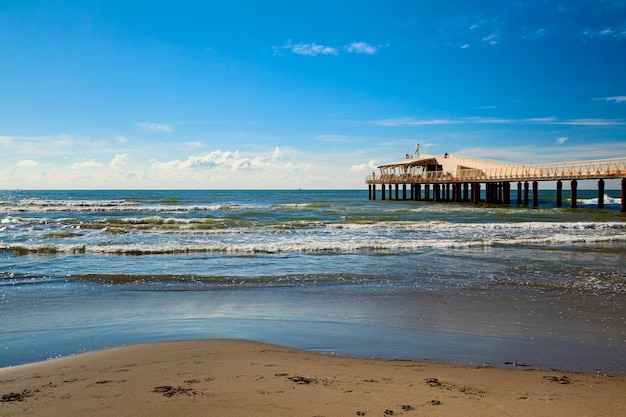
(322, 270)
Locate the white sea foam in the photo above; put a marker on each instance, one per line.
(309, 243)
(95, 206)
(594, 201)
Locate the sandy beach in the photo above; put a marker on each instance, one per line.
(223, 377)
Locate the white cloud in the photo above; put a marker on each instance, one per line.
(310, 49)
(194, 145)
(591, 122)
(119, 160)
(606, 33)
(27, 163)
(122, 139)
(226, 160)
(155, 127)
(86, 164)
(361, 48)
(313, 49)
(616, 99)
(491, 39)
(529, 34)
(561, 140)
(541, 120)
(409, 121)
(486, 120)
(463, 31)
(334, 138)
(366, 166)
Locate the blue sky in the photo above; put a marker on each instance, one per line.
(315, 94)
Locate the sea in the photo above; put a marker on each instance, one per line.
(323, 270)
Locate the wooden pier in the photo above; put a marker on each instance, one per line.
(459, 179)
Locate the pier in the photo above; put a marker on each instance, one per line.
(460, 179)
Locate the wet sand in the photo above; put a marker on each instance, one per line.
(223, 377)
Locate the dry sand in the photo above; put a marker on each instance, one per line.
(242, 378)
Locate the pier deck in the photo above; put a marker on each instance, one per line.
(455, 174)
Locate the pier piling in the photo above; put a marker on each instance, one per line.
(600, 193)
(526, 193)
(623, 195)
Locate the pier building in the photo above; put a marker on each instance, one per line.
(460, 179)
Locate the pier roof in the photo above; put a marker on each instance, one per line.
(447, 162)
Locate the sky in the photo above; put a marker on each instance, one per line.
(300, 94)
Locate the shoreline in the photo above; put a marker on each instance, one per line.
(232, 377)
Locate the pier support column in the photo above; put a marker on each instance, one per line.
(519, 192)
(382, 192)
(559, 193)
(436, 190)
(506, 193)
(404, 191)
(573, 194)
(390, 191)
(601, 193)
(418, 192)
(373, 191)
(426, 192)
(623, 195)
(535, 194)
(465, 191)
(397, 191)
(526, 193)
(476, 192)
(369, 191)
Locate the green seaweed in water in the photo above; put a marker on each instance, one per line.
(59, 235)
(114, 230)
(19, 250)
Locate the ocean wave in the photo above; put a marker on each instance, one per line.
(608, 200)
(95, 206)
(312, 244)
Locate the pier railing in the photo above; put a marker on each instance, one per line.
(594, 169)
